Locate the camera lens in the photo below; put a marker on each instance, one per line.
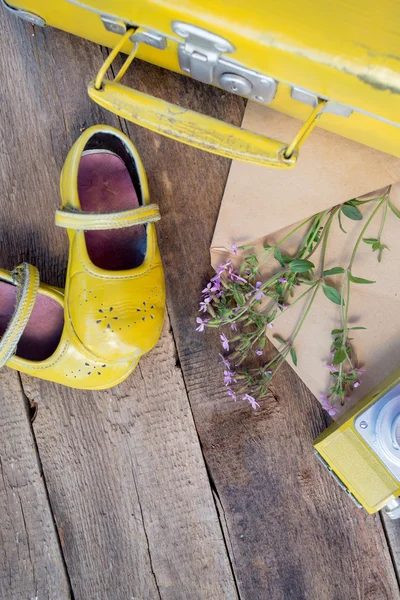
(396, 433)
(388, 430)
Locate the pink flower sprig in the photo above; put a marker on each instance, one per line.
(345, 375)
(244, 305)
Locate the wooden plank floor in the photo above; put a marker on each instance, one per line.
(160, 488)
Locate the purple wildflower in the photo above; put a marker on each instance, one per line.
(224, 342)
(225, 361)
(259, 352)
(258, 293)
(357, 384)
(271, 325)
(216, 281)
(360, 371)
(332, 368)
(233, 326)
(234, 248)
(234, 275)
(222, 267)
(229, 377)
(207, 289)
(252, 401)
(327, 405)
(232, 394)
(283, 280)
(203, 304)
(202, 323)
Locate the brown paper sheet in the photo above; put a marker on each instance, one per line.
(260, 203)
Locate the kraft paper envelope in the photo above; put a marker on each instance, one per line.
(262, 204)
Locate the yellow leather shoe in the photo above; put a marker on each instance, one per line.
(34, 339)
(114, 292)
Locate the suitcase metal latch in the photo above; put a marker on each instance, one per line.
(151, 38)
(201, 56)
(24, 14)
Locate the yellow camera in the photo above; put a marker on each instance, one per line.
(362, 450)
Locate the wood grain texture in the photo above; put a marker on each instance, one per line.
(31, 562)
(292, 532)
(124, 469)
(129, 489)
(392, 530)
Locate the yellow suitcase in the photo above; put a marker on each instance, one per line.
(331, 62)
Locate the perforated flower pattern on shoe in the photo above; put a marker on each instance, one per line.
(38, 338)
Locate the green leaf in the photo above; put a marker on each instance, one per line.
(394, 210)
(356, 202)
(278, 256)
(376, 246)
(339, 356)
(333, 271)
(340, 222)
(340, 331)
(306, 282)
(300, 265)
(359, 279)
(294, 356)
(351, 212)
(338, 342)
(332, 294)
(370, 240)
(238, 297)
(282, 341)
(251, 259)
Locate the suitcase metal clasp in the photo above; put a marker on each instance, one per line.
(201, 55)
(24, 14)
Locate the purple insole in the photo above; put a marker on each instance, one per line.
(105, 185)
(43, 330)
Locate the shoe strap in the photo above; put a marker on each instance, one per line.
(89, 221)
(26, 278)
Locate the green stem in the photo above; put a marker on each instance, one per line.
(305, 314)
(345, 312)
(367, 224)
(297, 300)
(270, 250)
(312, 233)
(325, 239)
(383, 219)
(264, 329)
(346, 285)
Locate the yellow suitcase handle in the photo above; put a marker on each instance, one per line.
(190, 127)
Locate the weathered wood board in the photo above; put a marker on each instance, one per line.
(31, 561)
